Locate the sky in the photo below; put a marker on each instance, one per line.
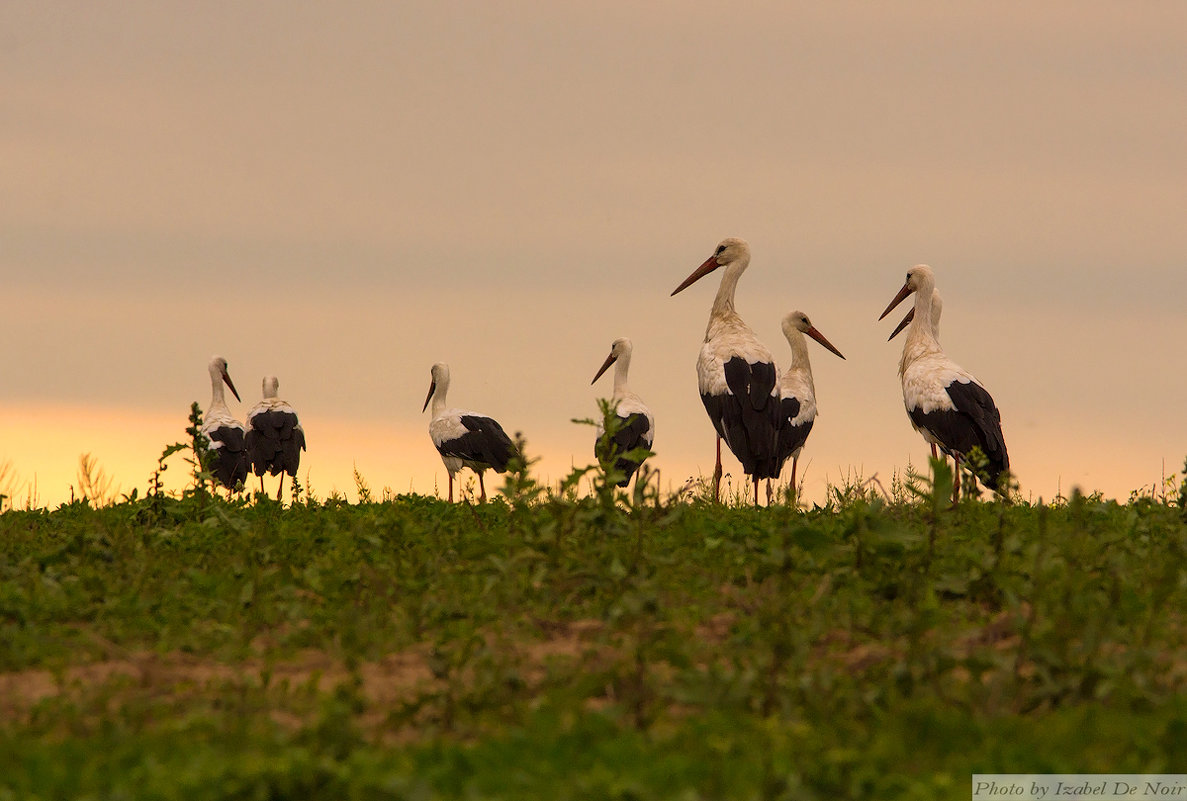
(343, 194)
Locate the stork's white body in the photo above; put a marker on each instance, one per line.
(224, 434)
(736, 373)
(796, 384)
(626, 405)
(464, 438)
(937, 308)
(797, 391)
(275, 438)
(945, 402)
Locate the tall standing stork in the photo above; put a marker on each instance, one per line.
(464, 438)
(636, 424)
(941, 397)
(736, 374)
(229, 460)
(275, 438)
(797, 392)
(937, 308)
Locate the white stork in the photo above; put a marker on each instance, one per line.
(464, 438)
(275, 438)
(937, 308)
(942, 398)
(736, 374)
(797, 392)
(636, 423)
(229, 461)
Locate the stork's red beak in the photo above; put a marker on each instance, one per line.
(709, 266)
(429, 397)
(611, 359)
(906, 321)
(902, 294)
(231, 384)
(819, 337)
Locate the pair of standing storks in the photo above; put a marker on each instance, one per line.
(469, 439)
(271, 442)
(736, 374)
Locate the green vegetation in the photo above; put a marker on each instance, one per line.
(615, 646)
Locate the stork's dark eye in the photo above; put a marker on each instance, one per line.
(720, 249)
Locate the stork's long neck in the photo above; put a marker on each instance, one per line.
(723, 304)
(217, 398)
(439, 397)
(920, 338)
(799, 354)
(621, 366)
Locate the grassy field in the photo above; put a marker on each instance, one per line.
(550, 646)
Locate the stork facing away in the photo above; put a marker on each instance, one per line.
(937, 308)
(797, 392)
(275, 438)
(229, 461)
(464, 438)
(736, 374)
(636, 424)
(942, 398)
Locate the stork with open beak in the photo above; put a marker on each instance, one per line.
(942, 398)
(736, 374)
(937, 308)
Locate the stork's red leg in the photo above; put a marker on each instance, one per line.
(481, 487)
(717, 474)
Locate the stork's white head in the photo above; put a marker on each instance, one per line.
(440, 374)
(271, 386)
(731, 251)
(797, 321)
(920, 279)
(620, 349)
(218, 372)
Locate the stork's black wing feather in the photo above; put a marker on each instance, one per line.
(229, 462)
(275, 441)
(749, 416)
(631, 435)
(974, 422)
(791, 436)
(485, 441)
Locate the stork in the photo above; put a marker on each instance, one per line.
(229, 461)
(941, 397)
(736, 374)
(937, 308)
(636, 424)
(275, 438)
(464, 438)
(797, 392)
